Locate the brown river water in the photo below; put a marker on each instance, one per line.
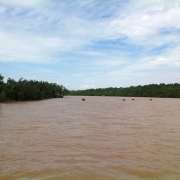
(101, 138)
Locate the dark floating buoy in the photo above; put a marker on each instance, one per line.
(83, 99)
(123, 99)
(133, 99)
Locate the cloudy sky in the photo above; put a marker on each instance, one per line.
(91, 43)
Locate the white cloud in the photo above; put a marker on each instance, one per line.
(21, 3)
(73, 33)
(94, 35)
(86, 86)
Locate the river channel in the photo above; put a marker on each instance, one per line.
(101, 138)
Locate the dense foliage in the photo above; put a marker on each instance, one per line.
(23, 90)
(152, 90)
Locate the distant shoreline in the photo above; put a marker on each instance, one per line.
(152, 90)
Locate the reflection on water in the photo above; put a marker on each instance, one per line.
(100, 138)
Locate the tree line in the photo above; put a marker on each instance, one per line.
(151, 90)
(24, 90)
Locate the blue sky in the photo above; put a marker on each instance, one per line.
(91, 43)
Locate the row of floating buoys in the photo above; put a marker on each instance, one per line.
(134, 99)
(122, 99)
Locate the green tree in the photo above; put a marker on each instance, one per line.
(2, 92)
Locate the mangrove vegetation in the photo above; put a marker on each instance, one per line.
(151, 90)
(24, 90)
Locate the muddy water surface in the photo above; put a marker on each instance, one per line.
(96, 139)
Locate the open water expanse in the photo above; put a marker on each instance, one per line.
(101, 138)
